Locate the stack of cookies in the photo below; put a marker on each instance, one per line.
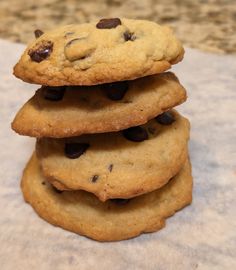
(111, 158)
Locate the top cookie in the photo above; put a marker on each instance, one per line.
(99, 52)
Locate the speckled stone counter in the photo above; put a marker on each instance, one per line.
(207, 25)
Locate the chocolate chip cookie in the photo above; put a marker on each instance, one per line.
(118, 164)
(117, 219)
(70, 111)
(99, 52)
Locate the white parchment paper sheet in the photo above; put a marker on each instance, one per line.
(201, 236)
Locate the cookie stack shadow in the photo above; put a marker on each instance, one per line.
(111, 158)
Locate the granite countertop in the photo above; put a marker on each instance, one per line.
(207, 25)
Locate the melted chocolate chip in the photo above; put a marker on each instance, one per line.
(135, 134)
(43, 183)
(117, 90)
(94, 178)
(108, 23)
(54, 93)
(110, 167)
(75, 150)
(129, 36)
(41, 51)
(38, 33)
(165, 118)
(120, 201)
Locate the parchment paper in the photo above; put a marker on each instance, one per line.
(202, 236)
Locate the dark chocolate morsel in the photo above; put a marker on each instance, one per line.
(116, 91)
(43, 183)
(135, 134)
(38, 33)
(75, 150)
(94, 178)
(165, 118)
(54, 93)
(110, 167)
(108, 23)
(41, 51)
(120, 201)
(129, 36)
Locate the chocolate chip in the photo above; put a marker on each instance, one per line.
(54, 93)
(135, 134)
(57, 190)
(165, 118)
(110, 167)
(43, 183)
(38, 33)
(120, 201)
(108, 23)
(41, 51)
(75, 150)
(117, 90)
(94, 178)
(129, 36)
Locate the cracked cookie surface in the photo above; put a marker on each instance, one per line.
(82, 213)
(119, 164)
(99, 52)
(69, 111)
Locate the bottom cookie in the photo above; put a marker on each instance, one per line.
(81, 212)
